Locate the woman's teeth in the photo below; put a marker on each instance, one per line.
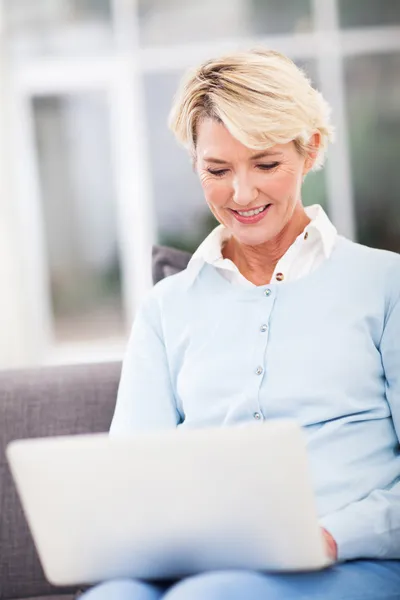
(251, 213)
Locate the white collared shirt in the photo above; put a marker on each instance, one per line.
(307, 252)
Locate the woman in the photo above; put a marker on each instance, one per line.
(276, 316)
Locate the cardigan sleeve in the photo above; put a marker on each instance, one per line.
(145, 400)
(370, 528)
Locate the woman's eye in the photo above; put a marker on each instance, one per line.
(217, 172)
(268, 166)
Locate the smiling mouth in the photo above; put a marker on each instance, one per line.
(251, 213)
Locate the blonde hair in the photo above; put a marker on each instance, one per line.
(260, 96)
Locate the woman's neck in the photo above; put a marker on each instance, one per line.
(257, 263)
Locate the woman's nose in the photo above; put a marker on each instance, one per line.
(244, 192)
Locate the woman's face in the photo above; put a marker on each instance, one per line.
(237, 181)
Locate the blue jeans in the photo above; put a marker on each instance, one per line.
(356, 580)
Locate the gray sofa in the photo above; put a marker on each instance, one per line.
(44, 402)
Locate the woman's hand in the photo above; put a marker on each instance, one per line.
(330, 544)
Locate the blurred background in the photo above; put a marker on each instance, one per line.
(90, 176)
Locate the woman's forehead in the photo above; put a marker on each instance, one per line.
(214, 141)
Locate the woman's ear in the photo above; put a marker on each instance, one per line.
(312, 152)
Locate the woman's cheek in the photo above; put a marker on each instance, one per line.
(277, 186)
(216, 193)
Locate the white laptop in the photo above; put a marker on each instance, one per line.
(165, 505)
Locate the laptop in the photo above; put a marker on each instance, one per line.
(161, 506)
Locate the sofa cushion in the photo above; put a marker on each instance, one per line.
(36, 403)
(168, 261)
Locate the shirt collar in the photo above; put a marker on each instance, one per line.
(210, 250)
(322, 227)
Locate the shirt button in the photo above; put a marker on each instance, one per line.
(267, 292)
(259, 370)
(263, 328)
(306, 235)
(280, 277)
(257, 416)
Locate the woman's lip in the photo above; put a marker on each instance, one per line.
(250, 220)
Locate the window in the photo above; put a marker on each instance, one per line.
(175, 22)
(98, 177)
(369, 13)
(79, 213)
(58, 27)
(373, 101)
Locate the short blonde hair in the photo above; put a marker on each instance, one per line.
(260, 96)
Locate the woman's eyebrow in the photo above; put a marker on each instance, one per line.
(220, 161)
(257, 156)
(264, 154)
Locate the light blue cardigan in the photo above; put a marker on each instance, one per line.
(324, 350)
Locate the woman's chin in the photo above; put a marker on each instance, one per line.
(254, 236)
